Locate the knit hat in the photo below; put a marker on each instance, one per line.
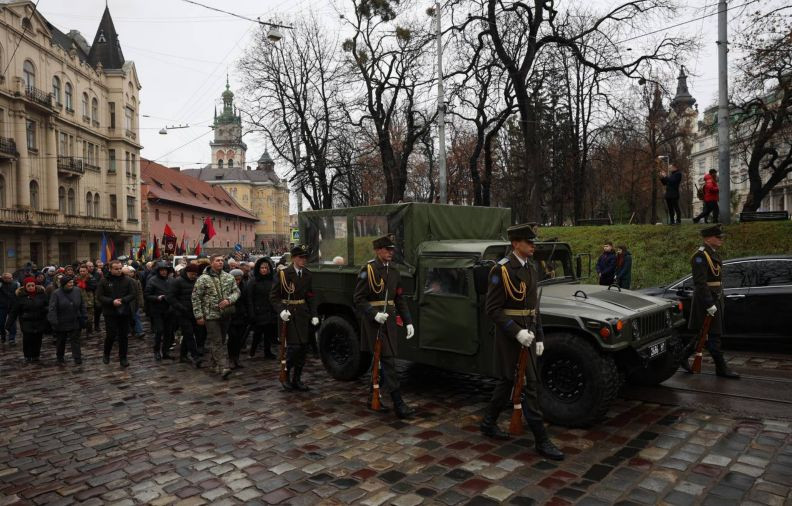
(237, 272)
(65, 279)
(196, 268)
(29, 279)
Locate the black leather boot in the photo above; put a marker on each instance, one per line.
(288, 385)
(544, 446)
(489, 427)
(401, 408)
(721, 369)
(297, 381)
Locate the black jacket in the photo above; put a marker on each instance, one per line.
(240, 316)
(116, 287)
(8, 294)
(672, 182)
(156, 286)
(257, 292)
(31, 311)
(179, 295)
(66, 310)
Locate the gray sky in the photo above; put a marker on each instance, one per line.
(182, 53)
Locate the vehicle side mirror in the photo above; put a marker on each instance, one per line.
(578, 267)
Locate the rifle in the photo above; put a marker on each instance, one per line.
(283, 377)
(516, 425)
(375, 363)
(702, 338)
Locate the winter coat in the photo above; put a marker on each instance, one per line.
(67, 310)
(240, 316)
(301, 303)
(706, 267)
(369, 301)
(139, 300)
(209, 290)
(672, 182)
(624, 270)
(116, 287)
(8, 294)
(156, 287)
(606, 266)
(30, 310)
(257, 295)
(179, 295)
(711, 189)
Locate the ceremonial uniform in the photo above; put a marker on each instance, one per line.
(513, 306)
(375, 282)
(292, 291)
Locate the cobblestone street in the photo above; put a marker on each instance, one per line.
(164, 433)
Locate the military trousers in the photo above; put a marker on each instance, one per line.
(295, 355)
(501, 397)
(388, 377)
(216, 332)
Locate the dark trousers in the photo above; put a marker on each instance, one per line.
(70, 335)
(295, 355)
(31, 344)
(3, 316)
(388, 378)
(162, 326)
(709, 208)
(236, 334)
(189, 330)
(267, 334)
(501, 397)
(116, 329)
(97, 315)
(674, 212)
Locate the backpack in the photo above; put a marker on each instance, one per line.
(699, 192)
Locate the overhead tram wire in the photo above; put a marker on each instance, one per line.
(16, 48)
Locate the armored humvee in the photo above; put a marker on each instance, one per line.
(596, 337)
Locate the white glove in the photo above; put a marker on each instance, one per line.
(525, 337)
(381, 318)
(314, 321)
(712, 310)
(285, 315)
(539, 348)
(410, 331)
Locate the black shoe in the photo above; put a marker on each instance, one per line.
(269, 356)
(226, 373)
(721, 369)
(489, 427)
(106, 359)
(60, 361)
(77, 361)
(166, 356)
(183, 359)
(35, 360)
(124, 362)
(157, 356)
(28, 360)
(197, 363)
(548, 450)
(403, 411)
(685, 365)
(237, 365)
(12, 342)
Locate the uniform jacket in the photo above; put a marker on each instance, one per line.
(707, 289)
(671, 183)
(258, 290)
(299, 328)
(156, 286)
(116, 287)
(369, 294)
(31, 311)
(66, 310)
(711, 189)
(209, 290)
(503, 294)
(179, 295)
(87, 288)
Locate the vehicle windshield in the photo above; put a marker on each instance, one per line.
(554, 263)
(330, 241)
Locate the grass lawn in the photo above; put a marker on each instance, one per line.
(661, 253)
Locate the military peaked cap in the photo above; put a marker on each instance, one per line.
(299, 251)
(386, 241)
(523, 231)
(713, 231)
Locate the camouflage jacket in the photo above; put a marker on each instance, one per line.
(209, 290)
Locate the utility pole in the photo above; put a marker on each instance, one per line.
(441, 111)
(724, 151)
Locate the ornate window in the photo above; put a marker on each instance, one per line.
(34, 195)
(230, 162)
(62, 200)
(71, 202)
(88, 204)
(68, 95)
(219, 164)
(95, 110)
(96, 207)
(29, 74)
(56, 89)
(2, 192)
(85, 104)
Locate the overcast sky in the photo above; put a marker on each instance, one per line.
(182, 53)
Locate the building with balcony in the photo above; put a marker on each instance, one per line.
(69, 148)
(260, 190)
(173, 198)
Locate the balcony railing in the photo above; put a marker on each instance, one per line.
(94, 168)
(28, 218)
(132, 135)
(71, 165)
(38, 96)
(8, 146)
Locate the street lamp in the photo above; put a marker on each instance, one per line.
(164, 130)
(273, 34)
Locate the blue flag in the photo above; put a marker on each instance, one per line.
(103, 252)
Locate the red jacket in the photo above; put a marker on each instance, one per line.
(710, 189)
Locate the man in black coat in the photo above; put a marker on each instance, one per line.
(260, 310)
(8, 288)
(158, 310)
(179, 297)
(116, 293)
(513, 305)
(672, 180)
(67, 316)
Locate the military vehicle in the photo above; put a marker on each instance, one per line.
(596, 337)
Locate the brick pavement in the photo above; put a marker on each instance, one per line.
(168, 434)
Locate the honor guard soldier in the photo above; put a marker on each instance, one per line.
(378, 279)
(706, 267)
(513, 305)
(293, 298)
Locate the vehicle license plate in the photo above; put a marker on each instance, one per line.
(657, 349)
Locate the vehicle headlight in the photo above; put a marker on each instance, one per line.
(636, 329)
(669, 321)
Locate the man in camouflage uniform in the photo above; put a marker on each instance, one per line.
(513, 305)
(213, 299)
(377, 279)
(87, 286)
(294, 300)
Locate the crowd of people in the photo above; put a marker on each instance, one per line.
(200, 311)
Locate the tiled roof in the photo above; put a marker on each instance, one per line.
(235, 174)
(177, 187)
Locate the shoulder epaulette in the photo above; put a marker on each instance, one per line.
(372, 260)
(503, 261)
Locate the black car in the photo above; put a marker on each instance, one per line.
(758, 293)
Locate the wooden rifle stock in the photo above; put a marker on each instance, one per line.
(375, 363)
(702, 338)
(516, 425)
(284, 332)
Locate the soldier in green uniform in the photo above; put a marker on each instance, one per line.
(706, 266)
(376, 279)
(512, 304)
(292, 296)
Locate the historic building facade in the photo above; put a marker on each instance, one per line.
(173, 198)
(68, 140)
(258, 190)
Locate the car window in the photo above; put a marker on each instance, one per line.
(444, 281)
(773, 273)
(738, 275)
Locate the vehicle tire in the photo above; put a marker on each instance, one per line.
(339, 347)
(660, 369)
(578, 382)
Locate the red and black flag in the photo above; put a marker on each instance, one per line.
(141, 249)
(182, 249)
(169, 240)
(157, 253)
(207, 230)
(197, 250)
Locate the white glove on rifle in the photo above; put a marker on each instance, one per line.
(525, 337)
(314, 321)
(539, 348)
(410, 331)
(381, 318)
(712, 310)
(285, 315)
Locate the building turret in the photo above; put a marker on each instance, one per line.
(683, 99)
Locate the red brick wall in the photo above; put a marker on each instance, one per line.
(230, 229)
